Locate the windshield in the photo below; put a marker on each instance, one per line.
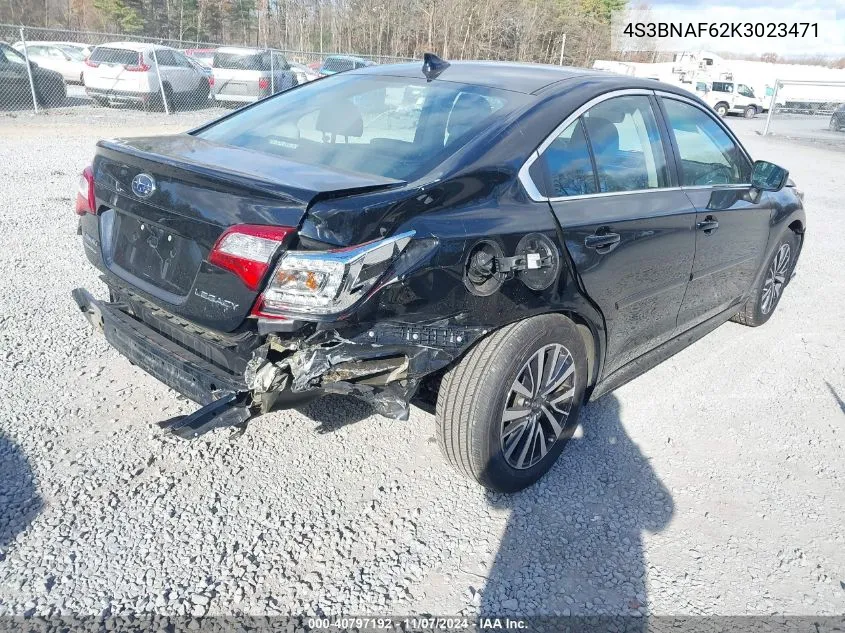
(241, 61)
(11, 55)
(386, 126)
(338, 64)
(114, 56)
(75, 54)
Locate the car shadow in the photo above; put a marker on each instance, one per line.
(836, 396)
(19, 499)
(333, 411)
(573, 544)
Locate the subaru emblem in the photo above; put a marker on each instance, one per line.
(143, 185)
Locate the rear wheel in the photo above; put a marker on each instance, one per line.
(766, 296)
(721, 109)
(507, 409)
(159, 101)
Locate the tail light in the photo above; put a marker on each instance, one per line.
(92, 64)
(263, 83)
(247, 250)
(85, 202)
(211, 81)
(141, 66)
(320, 283)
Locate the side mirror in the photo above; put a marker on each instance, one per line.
(766, 176)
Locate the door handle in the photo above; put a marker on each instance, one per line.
(602, 242)
(708, 225)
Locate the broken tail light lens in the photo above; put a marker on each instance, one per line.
(247, 250)
(329, 282)
(85, 201)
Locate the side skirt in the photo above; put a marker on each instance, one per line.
(662, 352)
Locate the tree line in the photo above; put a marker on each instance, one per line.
(575, 31)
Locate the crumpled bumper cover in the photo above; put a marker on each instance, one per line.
(381, 363)
(172, 364)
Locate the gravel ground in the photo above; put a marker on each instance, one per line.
(714, 484)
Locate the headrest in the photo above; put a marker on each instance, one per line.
(341, 118)
(467, 111)
(604, 136)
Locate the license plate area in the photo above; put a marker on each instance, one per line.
(154, 253)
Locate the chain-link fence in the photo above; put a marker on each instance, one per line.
(811, 110)
(54, 68)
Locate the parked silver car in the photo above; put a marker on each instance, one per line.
(243, 75)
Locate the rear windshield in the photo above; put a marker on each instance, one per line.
(236, 61)
(338, 64)
(107, 55)
(74, 53)
(387, 126)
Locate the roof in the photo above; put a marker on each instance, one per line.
(239, 50)
(133, 46)
(516, 76)
(52, 43)
(352, 57)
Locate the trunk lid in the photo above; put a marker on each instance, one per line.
(156, 236)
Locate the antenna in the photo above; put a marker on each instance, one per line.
(433, 66)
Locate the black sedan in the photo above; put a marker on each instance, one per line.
(15, 89)
(497, 242)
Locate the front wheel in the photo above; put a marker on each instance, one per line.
(507, 409)
(766, 296)
(834, 126)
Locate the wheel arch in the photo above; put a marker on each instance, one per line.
(590, 336)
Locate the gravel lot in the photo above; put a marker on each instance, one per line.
(714, 484)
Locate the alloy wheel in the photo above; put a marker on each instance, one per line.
(775, 279)
(537, 406)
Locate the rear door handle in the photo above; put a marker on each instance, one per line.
(602, 242)
(708, 225)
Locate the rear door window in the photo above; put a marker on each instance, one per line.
(626, 145)
(106, 55)
(165, 58)
(708, 155)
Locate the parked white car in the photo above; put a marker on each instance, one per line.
(727, 97)
(128, 72)
(63, 57)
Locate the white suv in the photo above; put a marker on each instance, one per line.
(128, 72)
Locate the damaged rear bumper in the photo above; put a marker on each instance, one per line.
(382, 364)
(172, 364)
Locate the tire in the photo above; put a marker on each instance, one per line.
(51, 93)
(476, 393)
(750, 112)
(834, 126)
(776, 275)
(168, 96)
(721, 109)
